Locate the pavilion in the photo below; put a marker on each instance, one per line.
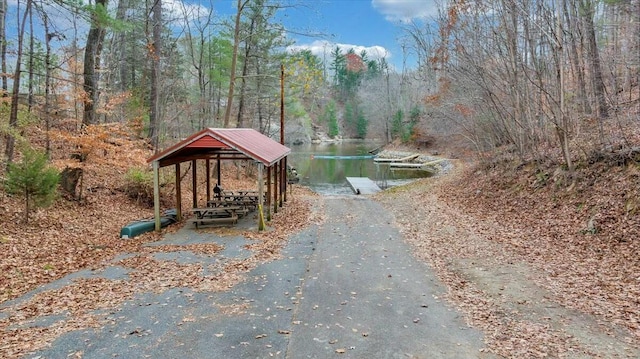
(219, 144)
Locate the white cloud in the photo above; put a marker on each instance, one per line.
(405, 10)
(323, 49)
(183, 11)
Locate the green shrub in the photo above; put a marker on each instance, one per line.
(34, 179)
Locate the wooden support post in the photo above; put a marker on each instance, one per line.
(156, 194)
(261, 225)
(285, 178)
(269, 192)
(178, 192)
(275, 187)
(219, 171)
(282, 181)
(194, 183)
(208, 169)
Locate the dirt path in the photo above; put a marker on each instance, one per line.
(497, 290)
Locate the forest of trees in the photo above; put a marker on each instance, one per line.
(531, 75)
(535, 75)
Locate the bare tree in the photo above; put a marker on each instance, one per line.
(92, 52)
(574, 37)
(3, 46)
(47, 81)
(155, 53)
(13, 113)
(118, 73)
(587, 8)
(198, 45)
(234, 61)
(30, 69)
(248, 44)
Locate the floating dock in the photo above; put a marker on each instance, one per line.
(395, 160)
(406, 165)
(340, 157)
(363, 185)
(426, 166)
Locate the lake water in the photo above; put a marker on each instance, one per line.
(324, 167)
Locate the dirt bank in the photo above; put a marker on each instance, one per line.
(506, 292)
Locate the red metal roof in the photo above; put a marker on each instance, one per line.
(206, 142)
(245, 141)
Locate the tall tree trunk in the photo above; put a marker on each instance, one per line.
(562, 126)
(234, 60)
(119, 46)
(588, 11)
(31, 58)
(261, 122)
(133, 79)
(635, 46)
(47, 83)
(13, 112)
(241, 100)
(202, 84)
(536, 98)
(578, 70)
(629, 47)
(154, 120)
(3, 47)
(513, 69)
(245, 72)
(92, 64)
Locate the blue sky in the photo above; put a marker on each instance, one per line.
(372, 25)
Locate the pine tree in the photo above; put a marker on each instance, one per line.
(33, 179)
(332, 119)
(361, 126)
(397, 124)
(349, 116)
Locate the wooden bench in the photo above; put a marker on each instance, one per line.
(211, 215)
(205, 221)
(247, 199)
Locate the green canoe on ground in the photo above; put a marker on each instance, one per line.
(136, 228)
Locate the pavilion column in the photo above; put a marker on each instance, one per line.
(285, 179)
(261, 225)
(194, 183)
(269, 192)
(275, 187)
(219, 171)
(208, 169)
(156, 194)
(178, 192)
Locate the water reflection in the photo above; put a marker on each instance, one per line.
(324, 167)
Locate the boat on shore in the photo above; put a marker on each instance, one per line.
(136, 228)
